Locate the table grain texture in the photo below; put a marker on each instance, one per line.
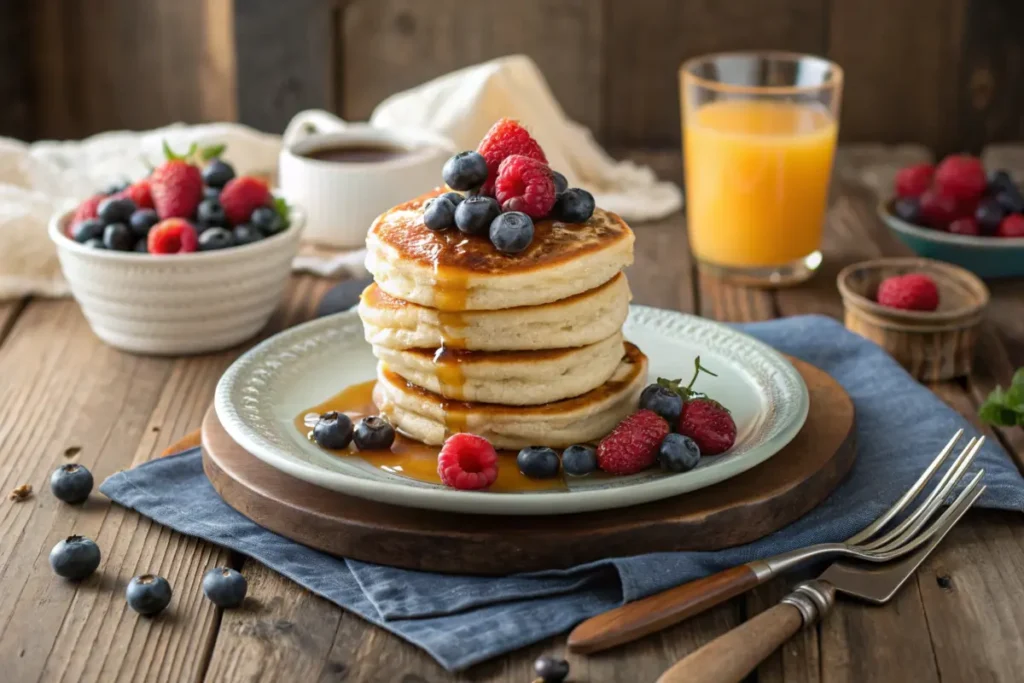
(65, 396)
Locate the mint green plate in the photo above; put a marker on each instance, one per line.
(987, 257)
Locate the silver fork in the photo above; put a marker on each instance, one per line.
(871, 544)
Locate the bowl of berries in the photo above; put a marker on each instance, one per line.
(189, 259)
(956, 213)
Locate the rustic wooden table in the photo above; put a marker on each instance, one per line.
(64, 396)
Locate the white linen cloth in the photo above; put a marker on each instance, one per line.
(39, 179)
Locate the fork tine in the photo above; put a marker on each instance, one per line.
(911, 493)
(909, 526)
(935, 526)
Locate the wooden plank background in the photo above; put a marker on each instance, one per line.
(943, 73)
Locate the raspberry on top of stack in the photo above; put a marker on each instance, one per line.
(498, 304)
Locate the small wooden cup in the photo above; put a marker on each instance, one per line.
(932, 346)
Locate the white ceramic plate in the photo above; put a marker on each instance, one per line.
(260, 395)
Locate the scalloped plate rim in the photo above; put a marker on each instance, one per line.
(642, 321)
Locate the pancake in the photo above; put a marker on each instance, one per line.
(515, 378)
(577, 321)
(451, 271)
(427, 417)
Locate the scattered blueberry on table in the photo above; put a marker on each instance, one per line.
(225, 587)
(148, 594)
(75, 558)
(71, 483)
(551, 669)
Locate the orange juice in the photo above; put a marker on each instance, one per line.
(757, 175)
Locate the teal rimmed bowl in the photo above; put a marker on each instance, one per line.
(987, 257)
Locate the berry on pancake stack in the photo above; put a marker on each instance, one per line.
(498, 303)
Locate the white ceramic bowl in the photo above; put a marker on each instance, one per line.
(182, 303)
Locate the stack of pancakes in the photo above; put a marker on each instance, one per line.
(522, 350)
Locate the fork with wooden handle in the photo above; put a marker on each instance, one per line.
(659, 611)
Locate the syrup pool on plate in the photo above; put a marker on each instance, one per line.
(407, 457)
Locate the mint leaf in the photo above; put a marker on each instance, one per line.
(1013, 399)
(1004, 407)
(1018, 378)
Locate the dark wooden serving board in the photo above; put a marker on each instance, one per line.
(736, 511)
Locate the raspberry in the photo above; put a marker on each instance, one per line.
(912, 181)
(709, 424)
(911, 292)
(961, 177)
(242, 196)
(505, 138)
(525, 185)
(633, 444)
(172, 236)
(467, 462)
(89, 208)
(965, 226)
(938, 210)
(1012, 226)
(176, 188)
(139, 193)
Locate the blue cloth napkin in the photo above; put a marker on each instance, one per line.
(461, 620)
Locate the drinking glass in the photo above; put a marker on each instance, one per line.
(759, 136)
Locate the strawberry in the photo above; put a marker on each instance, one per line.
(172, 236)
(176, 186)
(87, 209)
(1011, 226)
(633, 445)
(709, 423)
(241, 196)
(938, 210)
(505, 138)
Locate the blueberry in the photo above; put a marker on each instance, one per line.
(998, 181)
(678, 453)
(142, 220)
(465, 171)
(1011, 200)
(211, 193)
(374, 434)
(664, 402)
(71, 483)
(211, 214)
(989, 214)
(908, 209)
(246, 234)
(217, 174)
(224, 587)
(90, 228)
(439, 214)
(454, 197)
(94, 243)
(212, 239)
(538, 462)
(579, 460)
(474, 215)
(333, 430)
(76, 557)
(551, 669)
(116, 210)
(561, 184)
(142, 247)
(266, 220)
(148, 594)
(119, 237)
(511, 232)
(573, 206)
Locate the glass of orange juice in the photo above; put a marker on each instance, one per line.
(759, 134)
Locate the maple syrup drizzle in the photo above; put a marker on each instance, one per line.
(407, 457)
(452, 290)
